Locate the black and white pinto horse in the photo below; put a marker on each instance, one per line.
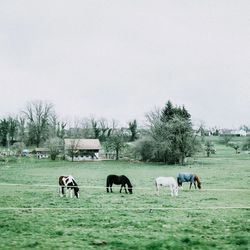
(119, 180)
(68, 183)
(188, 177)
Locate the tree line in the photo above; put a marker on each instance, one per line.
(167, 137)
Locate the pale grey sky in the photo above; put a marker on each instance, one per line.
(120, 59)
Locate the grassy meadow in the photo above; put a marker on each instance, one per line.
(216, 217)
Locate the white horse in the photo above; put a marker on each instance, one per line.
(167, 182)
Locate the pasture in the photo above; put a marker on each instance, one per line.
(33, 216)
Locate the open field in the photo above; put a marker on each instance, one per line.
(33, 216)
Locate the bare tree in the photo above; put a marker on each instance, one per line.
(202, 131)
(21, 129)
(53, 120)
(235, 146)
(86, 128)
(104, 128)
(71, 147)
(61, 129)
(38, 114)
(55, 145)
(226, 138)
(116, 142)
(209, 147)
(75, 130)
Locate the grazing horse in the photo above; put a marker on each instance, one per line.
(167, 182)
(68, 182)
(188, 177)
(118, 180)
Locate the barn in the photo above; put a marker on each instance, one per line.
(82, 149)
(41, 152)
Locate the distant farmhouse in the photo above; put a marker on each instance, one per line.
(240, 132)
(41, 152)
(82, 149)
(222, 132)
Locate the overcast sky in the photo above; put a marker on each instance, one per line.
(120, 59)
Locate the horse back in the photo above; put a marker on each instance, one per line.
(72, 181)
(185, 177)
(115, 179)
(111, 179)
(165, 181)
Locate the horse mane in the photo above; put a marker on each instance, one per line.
(71, 183)
(74, 182)
(76, 188)
(128, 181)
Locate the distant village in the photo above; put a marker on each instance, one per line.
(220, 132)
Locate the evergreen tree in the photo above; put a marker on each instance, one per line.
(4, 129)
(132, 126)
(169, 112)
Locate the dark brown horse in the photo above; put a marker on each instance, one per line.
(119, 180)
(68, 182)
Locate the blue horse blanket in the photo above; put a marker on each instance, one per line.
(185, 177)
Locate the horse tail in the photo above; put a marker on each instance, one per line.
(107, 183)
(179, 182)
(60, 181)
(61, 186)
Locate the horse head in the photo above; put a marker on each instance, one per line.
(197, 179)
(130, 189)
(179, 182)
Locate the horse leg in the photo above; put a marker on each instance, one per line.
(176, 190)
(107, 185)
(190, 185)
(157, 189)
(172, 190)
(125, 188)
(195, 185)
(63, 191)
(111, 188)
(71, 192)
(60, 191)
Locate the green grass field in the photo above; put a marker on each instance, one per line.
(216, 217)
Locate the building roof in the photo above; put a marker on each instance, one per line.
(85, 144)
(37, 150)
